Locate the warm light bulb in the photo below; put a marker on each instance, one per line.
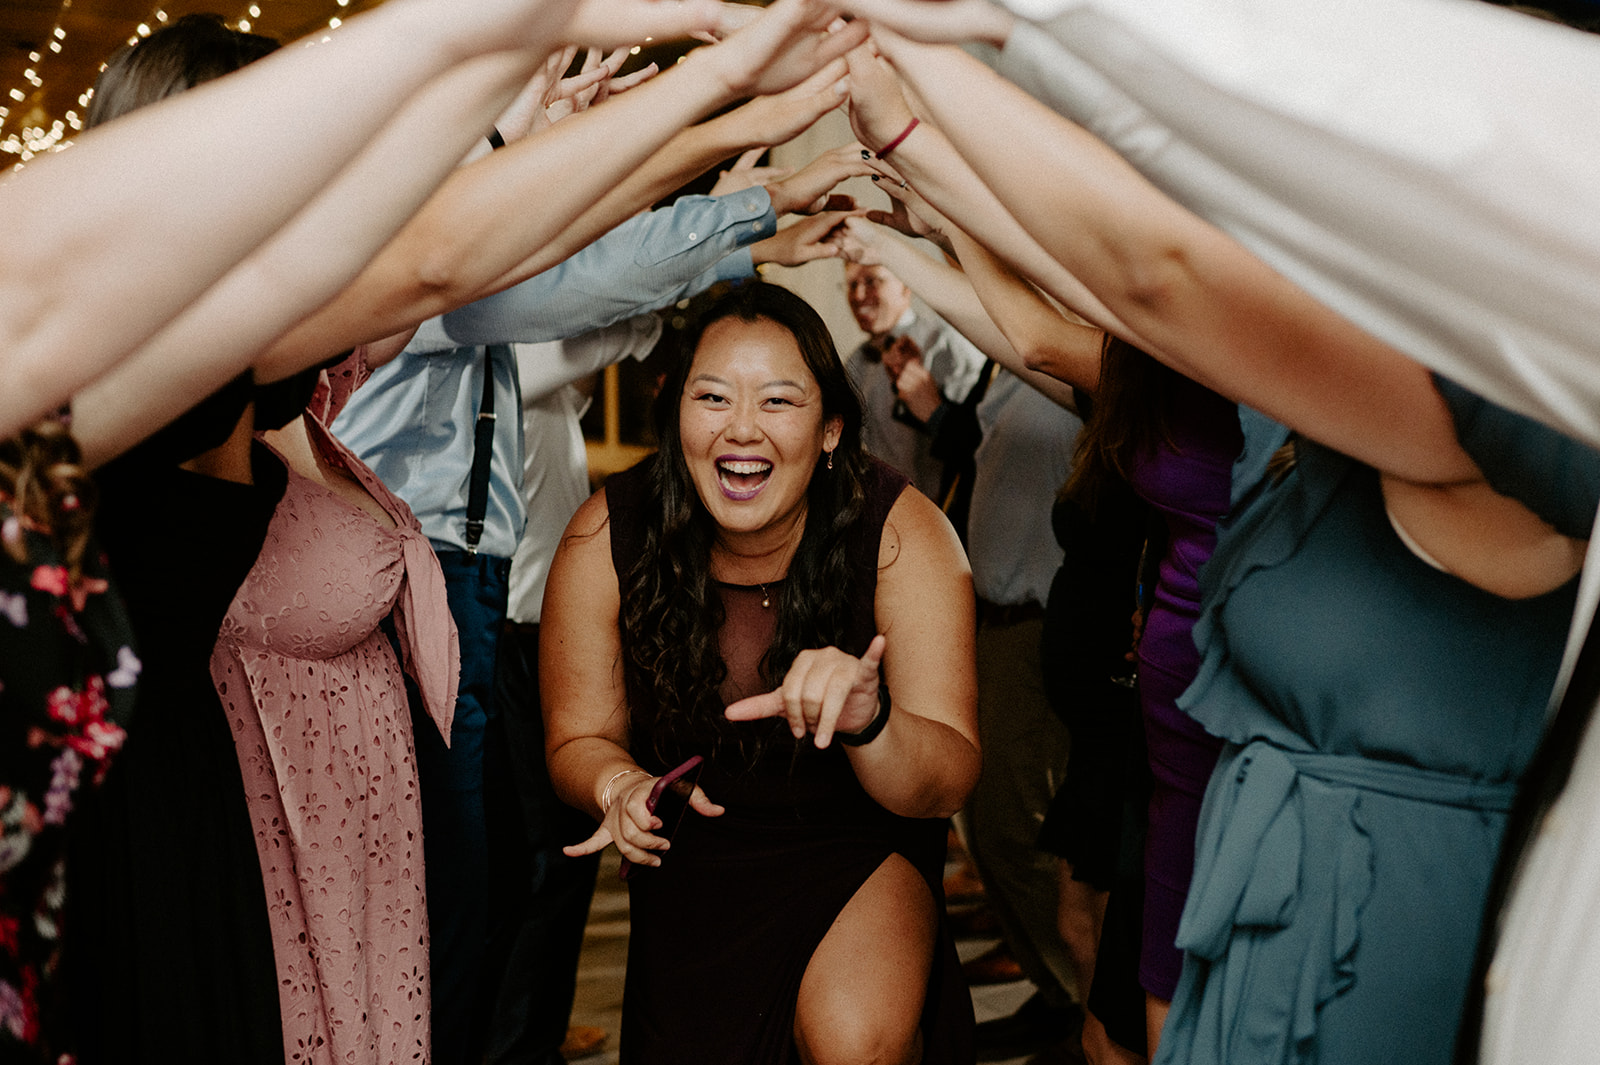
(335, 22)
(61, 34)
(143, 30)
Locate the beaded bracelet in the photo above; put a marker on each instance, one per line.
(875, 726)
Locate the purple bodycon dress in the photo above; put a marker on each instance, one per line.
(1188, 483)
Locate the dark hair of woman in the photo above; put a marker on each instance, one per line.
(194, 49)
(42, 476)
(1131, 415)
(671, 610)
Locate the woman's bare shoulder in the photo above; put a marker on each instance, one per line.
(917, 534)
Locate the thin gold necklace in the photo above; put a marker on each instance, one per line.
(766, 600)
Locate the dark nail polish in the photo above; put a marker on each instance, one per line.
(865, 154)
(875, 177)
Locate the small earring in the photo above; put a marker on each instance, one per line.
(830, 460)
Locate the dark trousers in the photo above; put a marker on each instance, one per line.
(455, 840)
(540, 896)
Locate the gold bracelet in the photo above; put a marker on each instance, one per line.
(605, 792)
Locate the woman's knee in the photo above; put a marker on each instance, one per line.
(858, 1037)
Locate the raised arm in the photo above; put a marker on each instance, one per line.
(924, 761)
(947, 291)
(479, 234)
(938, 173)
(1047, 340)
(296, 269)
(215, 172)
(1187, 293)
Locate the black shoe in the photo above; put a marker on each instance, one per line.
(1035, 1026)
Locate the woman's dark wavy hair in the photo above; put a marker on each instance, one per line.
(671, 611)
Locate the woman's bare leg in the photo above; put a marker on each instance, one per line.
(862, 995)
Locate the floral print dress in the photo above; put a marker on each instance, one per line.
(67, 673)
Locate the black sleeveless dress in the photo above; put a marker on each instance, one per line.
(723, 930)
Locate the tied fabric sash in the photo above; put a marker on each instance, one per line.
(430, 647)
(428, 637)
(1283, 848)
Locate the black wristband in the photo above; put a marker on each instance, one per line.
(875, 726)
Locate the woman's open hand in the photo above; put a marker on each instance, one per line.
(630, 824)
(824, 692)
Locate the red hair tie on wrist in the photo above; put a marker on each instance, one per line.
(883, 153)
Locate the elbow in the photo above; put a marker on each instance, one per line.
(1150, 279)
(956, 786)
(441, 277)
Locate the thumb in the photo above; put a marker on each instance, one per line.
(873, 656)
(748, 159)
(702, 805)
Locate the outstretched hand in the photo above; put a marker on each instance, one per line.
(632, 827)
(807, 240)
(788, 43)
(745, 174)
(781, 117)
(809, 190)
(878, 108)
(825, 691)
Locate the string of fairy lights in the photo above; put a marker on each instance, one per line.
(26, 142)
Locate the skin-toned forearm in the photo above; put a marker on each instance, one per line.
(580, 768)
(1188, 294)
(274, 134)
(1047, 342)
(472, 239)
(689, 153)
(917, 767)
(947, 290)
(293, 273)
(930, 163)
(481, 237)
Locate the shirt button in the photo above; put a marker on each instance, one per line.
(749, 205)
(694, 236)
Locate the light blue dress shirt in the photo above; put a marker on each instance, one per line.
(413, 421)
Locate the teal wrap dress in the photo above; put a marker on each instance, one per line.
(1377, 713)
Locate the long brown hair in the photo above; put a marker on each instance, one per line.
(1132, 414)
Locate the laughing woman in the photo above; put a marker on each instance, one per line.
(761, 593)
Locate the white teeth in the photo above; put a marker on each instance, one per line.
(746, 467)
